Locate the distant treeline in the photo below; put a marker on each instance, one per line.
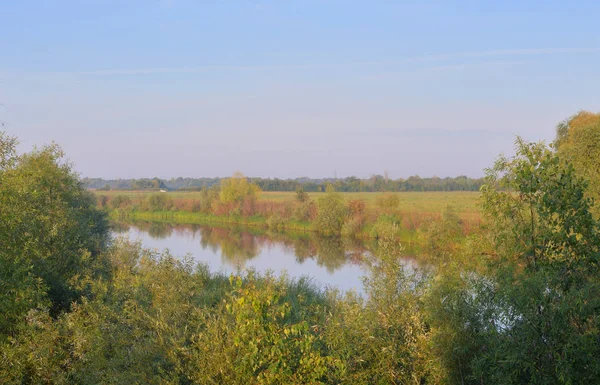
(375, 183)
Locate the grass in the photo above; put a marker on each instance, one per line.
(464, 202)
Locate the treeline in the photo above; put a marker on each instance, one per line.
(376, 183)
(518, 302)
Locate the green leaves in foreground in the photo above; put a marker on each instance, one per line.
(517, 303)
(533, 315)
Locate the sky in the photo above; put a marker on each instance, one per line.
(286, 89)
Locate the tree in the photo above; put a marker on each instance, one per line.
(50, 229)
(331, 213)
(236, 188)
(301, 195)
(538, 303)
(578, 141)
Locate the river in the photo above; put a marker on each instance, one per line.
(329, 262)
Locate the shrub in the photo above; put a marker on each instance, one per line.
(306, 211)
(120, 202)
(388, 202)
(331, 214)
(356, 207)
(276, 222)
(352, 227)
(159, 202)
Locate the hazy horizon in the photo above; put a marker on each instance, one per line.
(171, 88)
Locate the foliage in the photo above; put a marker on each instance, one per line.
(356, 208)
(120, 202)
(207, 198)
(236, 188)
(578, 141)
(305, 211)
(301, 195)
(276, 222)
(517, 302)
(439, 238)
(376, 183)
(541, 299)
(382, 224)
(50, 228)
(381, 339)
(352, 227)
(257, 338)
(159, 202)
(331, 214)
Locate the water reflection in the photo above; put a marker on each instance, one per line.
(238, 245)
(328, 261)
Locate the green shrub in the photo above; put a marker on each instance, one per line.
(159, 202)
(120, 202)
(331, 214)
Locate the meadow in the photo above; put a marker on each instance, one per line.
(465, 203)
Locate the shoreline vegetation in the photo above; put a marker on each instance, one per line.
(353, 215)
(516, 301)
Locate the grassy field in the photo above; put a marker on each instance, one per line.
(465, 203)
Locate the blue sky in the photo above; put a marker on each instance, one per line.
(293, 88)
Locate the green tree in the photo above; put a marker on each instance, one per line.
(236, 188)
(537, 305)
(50, 229)
(331, 213)
(578, 141)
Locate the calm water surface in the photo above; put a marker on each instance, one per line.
(329, 262)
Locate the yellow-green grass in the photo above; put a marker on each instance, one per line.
(464, 202)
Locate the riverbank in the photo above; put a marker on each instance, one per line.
(406, 236)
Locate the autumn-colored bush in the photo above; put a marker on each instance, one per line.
(247, 206)
(220, 208)
(356, 207)
(305, 211)
(187, 205)
(414, 220)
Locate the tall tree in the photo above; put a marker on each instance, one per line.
(539, 317)
(578, 141)
(49, 224)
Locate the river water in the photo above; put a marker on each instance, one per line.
(329, 262)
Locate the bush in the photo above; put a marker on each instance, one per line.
(120, 202)
(352, 227)
(159, 202)
(384, 223)
(276, 222)
(306, 211)
(331, 214)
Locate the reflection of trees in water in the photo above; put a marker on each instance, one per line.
(156, 230)
(331, 253)
(238, 245)
(119, 227)
(305, 248)
(159, 230)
